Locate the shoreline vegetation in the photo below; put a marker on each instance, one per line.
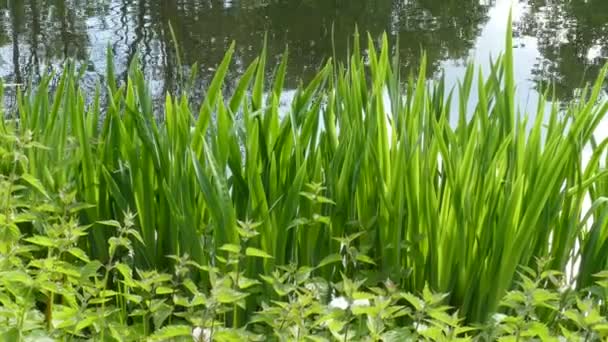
(349, 218)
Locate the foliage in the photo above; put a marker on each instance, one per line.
(364, 212)
(51, 290)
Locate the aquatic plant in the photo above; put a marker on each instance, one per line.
(366, 177)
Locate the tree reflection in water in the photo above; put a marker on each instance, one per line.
(37, 34)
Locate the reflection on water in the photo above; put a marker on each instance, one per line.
(572, 40)
(568, 39)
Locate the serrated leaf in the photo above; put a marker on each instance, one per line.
(162, 290)
(107, 293)
(66, 269)
(110, 223)
(198, 299)
(189, 284)
(90, 269)
(364, 258)
(180, 301)
(171, 332)
(161, 314)
(16, 277)
(303, 274)
(138, 312)
(231, 248)
(34, 182)
(41, 241)
(85, 322)
(74, 208)
(132, 298)
(134, 233)
(79, 253)
(258, 253)
(298, 222)
(416, 302)
(602, 329)
(125, 270)
(100, 300)
(228, 296)
(245, 282)
(330, 259)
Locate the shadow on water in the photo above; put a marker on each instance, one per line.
(572, 36)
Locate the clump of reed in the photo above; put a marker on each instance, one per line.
(367, 174)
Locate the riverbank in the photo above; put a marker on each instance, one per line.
(343, 219)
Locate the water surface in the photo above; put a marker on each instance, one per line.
(560, 41)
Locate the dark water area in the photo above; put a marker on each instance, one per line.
(560, 41)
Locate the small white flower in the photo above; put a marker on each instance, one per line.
(361, 303)
(421, 327)
(201, 335)
(498, 317)
(314, 289)
(339, 303)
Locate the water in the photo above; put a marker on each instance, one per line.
(561, 41)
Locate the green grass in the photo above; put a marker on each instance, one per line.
(335, 183)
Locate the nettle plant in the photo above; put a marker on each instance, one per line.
(50, 289)
(544, 306)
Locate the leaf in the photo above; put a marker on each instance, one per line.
(416, 302)
(85, 322)
(243, 84)
(258, 253)
(245, 282)
(100, 300)
(303, 274)
(134, 233)
(364, 258)
(125, 271)
(79, 253)
(601, 328)
(74, 208)
(217, 196)
(110, 223)
(198, 299)
(107, 293)
(231, 248)
(132, 298)
(330, 259)
(170, 332)
(33, 181)
(298, 222)
(90, 269)
(602, 274)
(17, 277)
(161, 314)
(189, 284)
(180, 301)
(162, 290)
(397, 335)
(322, 219)
(24, 217)
(42, 241)
(228, 296)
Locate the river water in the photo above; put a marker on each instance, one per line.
(560, 41)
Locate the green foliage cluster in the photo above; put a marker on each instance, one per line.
(367, 211)
(50, 290)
